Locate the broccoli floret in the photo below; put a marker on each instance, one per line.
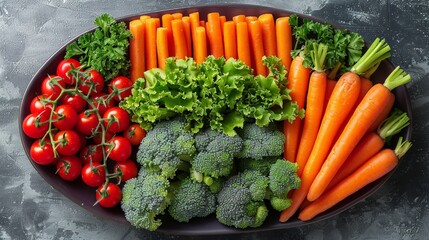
(165, 147)
(216, 152)
(262, 165)
(260, 142)
(282, 179)
(241, 200)
(192, 199)
(144, 198)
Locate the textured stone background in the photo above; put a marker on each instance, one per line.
(32, 30)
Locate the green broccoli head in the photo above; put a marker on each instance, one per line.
(165, 146)
(216, 152)
(282, 179)
(260, 142)
(262, 165)
(192, 199)
(241, 200)
(144, 198)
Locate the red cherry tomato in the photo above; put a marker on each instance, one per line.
(85, 124)
(127, 170)
(75, 101)
(101, 103)
(109, 197)
(67, 142)
(120, 149)
(107, 136)
(121, 86)
(42, 152)
(51, 86)
(93, 176)
(94, 83)
(64, 66)
(65, 117)
(92, 153)
(40, 104)
(69, 168)
(116, 119)
(35, 126)
(135, 134)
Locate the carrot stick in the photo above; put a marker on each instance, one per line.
(343, 97)
(251, 18)
(222, 20)
(376, 167)
(239, 18)
(150, 49)
(257, 47)
(284, 41)
(195, 22)
(200, 43)
(179, 39)
(363, 117)
(162, 46)
(203, 23)
(143, 18)
(370, 145)
(137, 51)
(166, 23)
(215, 35)
(268, 34)
(298, 77)
(243, 48)
(187, 28)
(177, 15)
(230, 40)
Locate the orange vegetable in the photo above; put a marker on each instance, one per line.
(330, 85)
(143, 18)
(137, 51)
(268, 34)
(230, 40)
(214, 34)
(257, 46)
(243, 47)
(177, 15)
(179, 39)
(239, 18)
(284, 41)
(166, 23)
(200, 43)
(195, 22)
(162, 46)
(187, 28)
(150, 49)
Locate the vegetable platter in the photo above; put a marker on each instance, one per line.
(217, 119)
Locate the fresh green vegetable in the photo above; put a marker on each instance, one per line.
(218, 93)
(105, 49)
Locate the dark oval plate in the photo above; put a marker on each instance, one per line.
(82, 195)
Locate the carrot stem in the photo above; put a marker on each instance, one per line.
(397, 78)
(377, 52)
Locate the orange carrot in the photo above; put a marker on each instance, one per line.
(195, 22)
(343, 97)
(162, 46)
(268, 34)
(200, 43)
(284, 41)
(137, 52)
(243, 48)
(143, 18)
(230, 40)
(222, 20)
(376, 167)
(383, 115)
(187, 28)
(257, 45)
(166, 23)
(215, 35)
(239, 18)
(330, 85)
(251, 18)
(150, 49)
(298, 77)
(177, 15)
(363, 117)
(179, 39)
(203, 23)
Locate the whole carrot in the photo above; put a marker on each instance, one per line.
(298, 77)
(371, 144)
(376, 167)
(363, 117)
(230, 40)
(137, 52)
(243, 48)
(268, 34)
(150, 49)
(284, 41)
(162, 46)
(214, 34)
(179, 39)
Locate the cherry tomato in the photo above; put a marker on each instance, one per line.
(101, 103)
(94, 83)
(40, 104)
(69, 168)
(116, 119)
(93, 176)
(35, 126)
(64, 66)
(85, 124)
(75, 101)
(107, 136)
(68, 142)
(120, 149)
(109, 197)
(92, 153)
(122, 87)
(135, 134)
(42, 152)
(127, 169)
(51, 88)
(65, 117)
